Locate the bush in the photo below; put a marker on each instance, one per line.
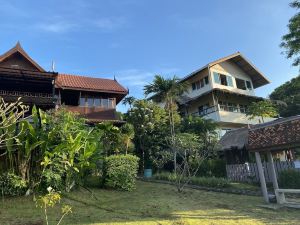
(289, 179)
(120, 171)
(212, 168)
(214, 182)
(12, 185)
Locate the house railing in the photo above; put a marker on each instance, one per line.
(218, 107)
(25, 94)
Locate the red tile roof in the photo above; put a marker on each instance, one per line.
(68, 81)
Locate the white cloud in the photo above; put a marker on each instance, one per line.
(57, 27)
(110, 24)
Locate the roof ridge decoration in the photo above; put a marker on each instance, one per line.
(18, 48)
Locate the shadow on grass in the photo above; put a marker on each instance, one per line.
(151, 204)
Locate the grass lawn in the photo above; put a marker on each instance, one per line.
(150, 204)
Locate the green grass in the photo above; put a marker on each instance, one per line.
(150, 204)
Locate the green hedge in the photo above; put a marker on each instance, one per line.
(289, 179)
(120, 171)
(215, 182)
(12, 185)
(212, 168)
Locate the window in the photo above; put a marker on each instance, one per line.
(82, 101)
(90, 102)
(240, 84)
(223, 79)
(203, 109)
(104, 102)
(229, 81)
(206, 80)
(110, 103)
(217, 78)
(194, 86)
(232, 107)
(248, 84)
(97, 102)
(200, 83)
(223, 106)
(243, 108)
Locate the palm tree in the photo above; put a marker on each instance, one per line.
(167, 91)
(129, 101)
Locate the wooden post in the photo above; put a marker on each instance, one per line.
(262, 177)
(280, 197)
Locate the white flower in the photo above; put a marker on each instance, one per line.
(49, 189)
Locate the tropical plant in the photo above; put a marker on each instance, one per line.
(150, 128)
(49, 200)
(129, 100)
(167, 91)
(291, 41)
(127, 135)
(191, 153)
(261, 109)
(12, 185)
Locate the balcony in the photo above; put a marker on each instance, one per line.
(232, 114)
(28, 97)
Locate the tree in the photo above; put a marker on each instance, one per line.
(289, 94)
(167, 91)
(150, 128)
(129, 101)
(291, 41)
(261, 109)
(127, 135)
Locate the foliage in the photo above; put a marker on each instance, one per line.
(289, 179)
(168, 91)
(121, 171)
(213, 182)
(191, 152)
(289, 94)
(290, 41)
(127, 135)
(50, 200)
(12, 185)
(150, 127)
(212, 168)
(129, 100)
(261, 109)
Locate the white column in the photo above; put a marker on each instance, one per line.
(262, 177)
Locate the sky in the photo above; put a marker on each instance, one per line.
(135, 39)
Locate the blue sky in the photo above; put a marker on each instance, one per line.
(136, 39)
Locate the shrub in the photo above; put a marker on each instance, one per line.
(120, 171)
(201, 181)
(289, 179)
(212, 168)
(12, 185)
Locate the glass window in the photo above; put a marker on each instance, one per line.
(217, 78)
(104, 102)
(223, 79)
(249, 86)
(198, 84)
(97, 102)
(194, 86)
(206, 80)
(90, 102)
(82, 101)
(229, 81)
(110, 103)
(202, 83)
(243, 108)
(240, 84)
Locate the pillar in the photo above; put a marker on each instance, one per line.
(262, 177)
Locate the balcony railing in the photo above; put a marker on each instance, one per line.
(25, 94)
(219, 107)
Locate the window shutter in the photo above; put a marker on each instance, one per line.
(217, 78)
(229, 81)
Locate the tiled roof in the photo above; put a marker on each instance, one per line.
(68, 81)
(281, 134)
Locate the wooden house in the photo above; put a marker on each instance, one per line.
(93, 98)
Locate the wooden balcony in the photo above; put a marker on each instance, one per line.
(31, 98)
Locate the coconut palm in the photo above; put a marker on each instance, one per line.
(129, 101)
(167, 91)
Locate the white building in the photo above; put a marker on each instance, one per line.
(222, 91)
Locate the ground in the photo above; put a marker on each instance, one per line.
(149, 204)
